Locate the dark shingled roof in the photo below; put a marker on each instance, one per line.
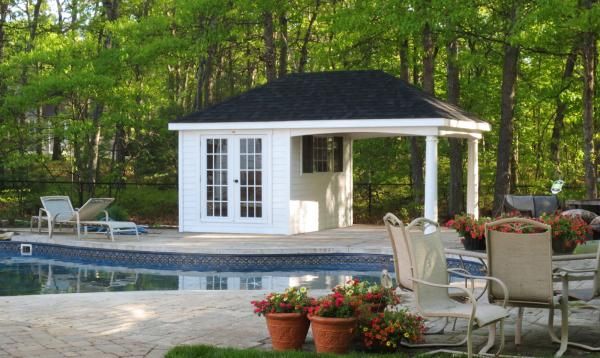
(329, 95)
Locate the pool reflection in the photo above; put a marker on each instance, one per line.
(27, 276)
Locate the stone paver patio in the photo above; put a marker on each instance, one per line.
(147, 324)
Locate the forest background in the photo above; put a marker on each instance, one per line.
(87, 89)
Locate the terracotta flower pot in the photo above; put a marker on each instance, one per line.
(287, 330)
(333, 335)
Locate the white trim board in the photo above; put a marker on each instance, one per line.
(440, 123)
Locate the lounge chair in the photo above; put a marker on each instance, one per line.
(429, 277)
(58, 210)
(523, 261)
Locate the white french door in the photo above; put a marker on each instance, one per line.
(233, 178)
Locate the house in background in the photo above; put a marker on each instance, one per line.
(277, 159)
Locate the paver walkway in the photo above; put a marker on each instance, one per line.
(147, 324)
(125, 324)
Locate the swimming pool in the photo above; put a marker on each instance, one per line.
(62, 269)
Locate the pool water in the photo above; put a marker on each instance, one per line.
(60, 269)
(31, 276)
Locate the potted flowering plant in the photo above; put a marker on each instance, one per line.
(472, 230)
(567, 231)
(384, 331)
(334, 322)
(285, 314)
(374, 295)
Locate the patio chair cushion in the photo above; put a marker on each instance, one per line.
(545, 204)
(530, 205)
(586, 215)
(486, 313)
(521, 203)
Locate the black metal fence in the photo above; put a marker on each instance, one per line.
(373, 200)
(153, 202)
(20, 199)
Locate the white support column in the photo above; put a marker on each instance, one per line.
(473, 178)
(431, 178)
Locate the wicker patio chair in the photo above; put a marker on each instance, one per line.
(429, 276)
(523, 261)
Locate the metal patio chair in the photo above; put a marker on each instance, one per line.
(523, 261)
(429, 276)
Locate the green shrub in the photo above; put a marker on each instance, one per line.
(149, 205)
(118, 213)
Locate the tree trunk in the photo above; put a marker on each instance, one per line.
(283, 44)
(269, 55)
(507, 111)
(33, 27)
(416, 151)
(428, 61)
(455, 193)
(48, 112)
(559, 116)
(404, 60)
(111, 11)
(416, 168)
(416, 143)
(3, 14)
(589, 63)
(304, 50)
(93, 150)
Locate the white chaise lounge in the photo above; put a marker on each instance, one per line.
(58, 210)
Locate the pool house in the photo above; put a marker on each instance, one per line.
(277, 159)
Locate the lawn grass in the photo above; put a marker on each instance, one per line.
(214, 352)
(589, 247)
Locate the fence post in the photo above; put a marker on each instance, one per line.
(81, 194)
(370, 197)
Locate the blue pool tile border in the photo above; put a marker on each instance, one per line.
(218, 262)
(203, 262)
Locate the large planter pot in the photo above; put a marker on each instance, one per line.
(333, 335)
(473, 244)
(287, 330)
(563, 247)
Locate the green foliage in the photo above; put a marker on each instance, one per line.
(118, 213)
(85, 76)
(202, 351)
(150, 205)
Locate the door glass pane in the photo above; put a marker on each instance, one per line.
(258, 162)
(251, 178)
(216, 177)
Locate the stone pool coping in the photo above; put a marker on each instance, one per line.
(358, 239)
